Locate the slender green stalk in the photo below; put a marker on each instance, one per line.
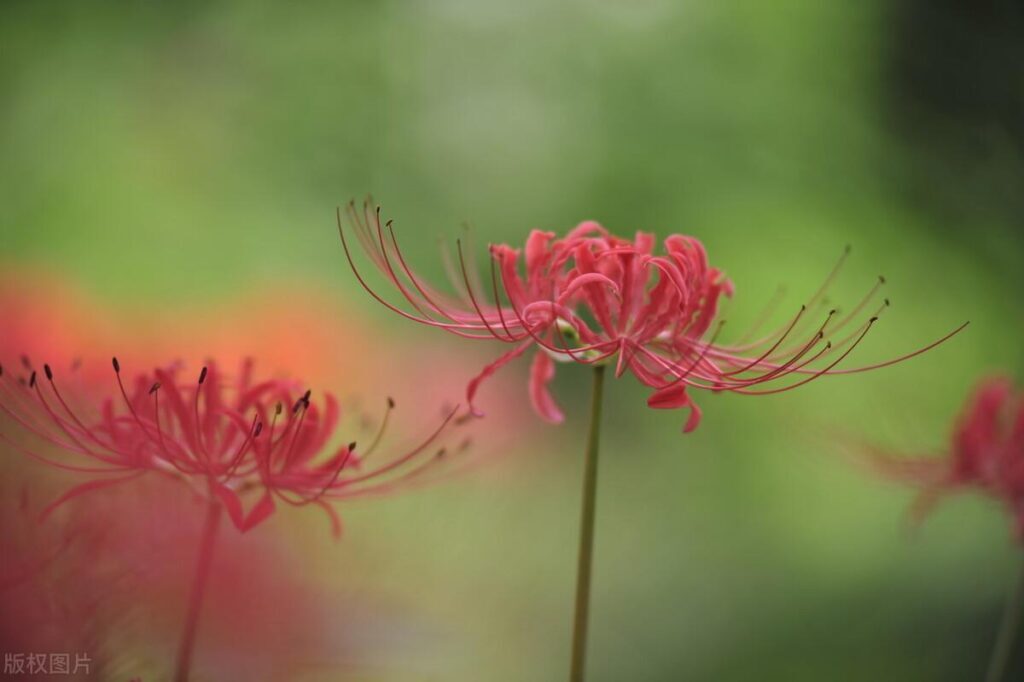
(586, 555)
(1007, 631)
(199, 581)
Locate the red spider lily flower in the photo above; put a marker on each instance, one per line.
(986, 454)
(232, 439)
(593, 298)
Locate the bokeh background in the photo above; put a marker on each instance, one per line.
(173, 169)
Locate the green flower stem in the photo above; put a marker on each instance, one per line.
(1007, 631)
(586, 555)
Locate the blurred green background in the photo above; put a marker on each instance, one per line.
(160, 153)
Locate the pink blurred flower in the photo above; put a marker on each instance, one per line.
(985, 454)
(591, 298)
(228, 438)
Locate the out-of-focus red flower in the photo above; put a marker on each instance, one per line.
(74, 580)
(986, 454)
(591, 298)
(228, 438)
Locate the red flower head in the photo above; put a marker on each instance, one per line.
(986, 453)
(230, 438)
(591, 298)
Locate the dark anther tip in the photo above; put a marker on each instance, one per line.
(881, 279)
(352, 446)
(278, 408)
(305, 396)
(25, 362)
(848, 248)
(441, 453)
(388, 223)
(259, 430)
(116, 364)
(1, 370)
(873, 319)
(32, 380)
(391, 403)
(154, 388)
(833, 312)
(828, 345)
(887, 303)
(202, 376)
(803, 307)
(49, 372)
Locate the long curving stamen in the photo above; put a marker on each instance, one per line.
(402, 479)
(23, 411)
(63, 425)
(252, 434)
(396, 463)
(682, 376)
(60, 398)
(303, 406)
(907, 356)
(758, 360)
(171, 459)
(343, 461)
(127, 401)
(472, 296)
(856, 311)
(819, 373)
(380, 431)
(457, 329)
(831, 276)
(393, 276)
(497, 298)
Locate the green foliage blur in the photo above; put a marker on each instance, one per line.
(166, 152)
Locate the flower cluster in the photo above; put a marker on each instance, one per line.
(593, 298)
(986, 453)
(230, 438)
